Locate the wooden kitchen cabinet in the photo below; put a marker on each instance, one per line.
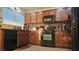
(49, 12)
(62, 14)
(46, 13)
(1, 40)
(22, 38)
(52, 12)
(33, 17)
(37, 38)
(27, 18)
(39, 17)
(62, 39)
(34, 37)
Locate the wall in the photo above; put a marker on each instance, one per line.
(0, 11)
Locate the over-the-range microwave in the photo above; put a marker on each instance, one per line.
(48, 19)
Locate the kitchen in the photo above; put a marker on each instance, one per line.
(24, 27)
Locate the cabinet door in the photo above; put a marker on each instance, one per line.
(27, 18)
(62, 14)
(52, 12)
(39, 17)
(58, 39)
(37, 38)
(33, 17)
(66, 41)
(26, 37)
(20, 38)
(1, 40)
(62, 40)
(32, 38)
(46, 13)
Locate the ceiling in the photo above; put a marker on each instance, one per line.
(30, 9)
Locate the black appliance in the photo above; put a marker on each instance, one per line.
(10, 39)
(49, 19)
(48, 39)
(75, 28)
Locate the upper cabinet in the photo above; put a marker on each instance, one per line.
(27, 18)
(33, 17)
(49, 12)
(52, 12)
(39, 17)
(30, 18)
(46, 13)
(62, 14)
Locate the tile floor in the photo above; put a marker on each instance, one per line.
(40, 48)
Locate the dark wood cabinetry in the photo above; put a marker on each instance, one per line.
(62, 14)
(33, 17)
(52, 12)
(34, 37)
(62, 39)
(27, 18)
(38, 38)
(1, 39)
(39, 17)
(22, 38)
(46, 13)
(49, 12)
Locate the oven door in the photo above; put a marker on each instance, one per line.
(48, 39)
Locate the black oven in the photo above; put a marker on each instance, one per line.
(48, 39)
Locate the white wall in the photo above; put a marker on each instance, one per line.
(0, 11)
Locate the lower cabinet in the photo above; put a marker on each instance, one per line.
(1, 40)
(11, 39)
(34, 37)
(38, 38)
(62, 39)
(22, 38)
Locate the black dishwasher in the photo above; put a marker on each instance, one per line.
(10, 39)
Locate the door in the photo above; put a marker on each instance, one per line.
(32, 37)
(46, 13)
(39, 17)
(27, 18)
(75, 28)
(1, 39)
(52, 12)
(33, 17)
(48, 39)
(62, 14)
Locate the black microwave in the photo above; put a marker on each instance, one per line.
(49, 19)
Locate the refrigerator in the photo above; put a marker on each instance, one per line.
(75, 28)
